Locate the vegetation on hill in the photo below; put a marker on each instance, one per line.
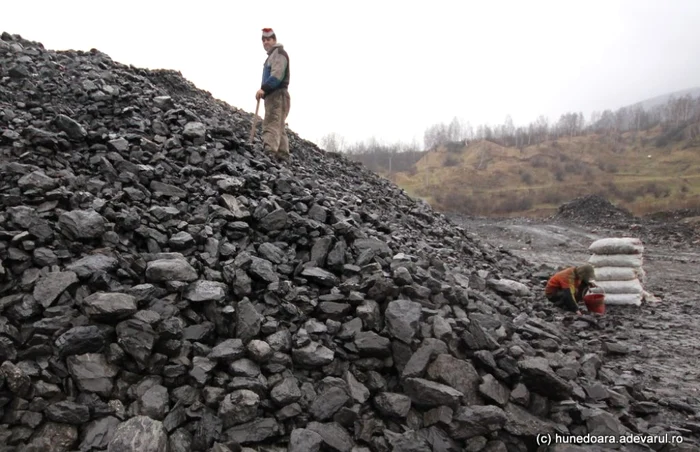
(644, 159)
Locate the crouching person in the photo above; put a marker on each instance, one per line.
(566, 288)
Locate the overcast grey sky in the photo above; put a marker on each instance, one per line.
(390, 69)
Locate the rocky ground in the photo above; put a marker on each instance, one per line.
(166, 286)
(660, 340)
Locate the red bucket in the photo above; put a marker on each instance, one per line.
(595, 302)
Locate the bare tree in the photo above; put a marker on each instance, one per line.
(435, 135)
(332, 142)
(637, 118)
(521, 133)
(570, 124)
(468, 132)
(622, 119)
(607, 121)
(508, 130)
(681, 109)
(454, 130)
(541, 128)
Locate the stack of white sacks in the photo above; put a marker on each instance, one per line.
(618, 269)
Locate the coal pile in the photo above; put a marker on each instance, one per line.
(659, 229)
(167, 287)
(675, 215)
(682, 224)
(593, 210)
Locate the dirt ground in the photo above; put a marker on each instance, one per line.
(663, 337)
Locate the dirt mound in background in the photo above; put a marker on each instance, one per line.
(668, 229)
(592, 210)
(685, 218)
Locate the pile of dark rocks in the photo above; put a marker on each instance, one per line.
(167, 287)
(592, 210)
(680, 215)
(680, 226)
(660, 229)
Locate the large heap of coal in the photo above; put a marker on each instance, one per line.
(592, 210)
(167, 287)
(663, 228)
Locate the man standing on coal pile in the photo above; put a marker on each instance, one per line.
(566, 288)
(273, 90)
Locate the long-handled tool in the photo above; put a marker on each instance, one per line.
(255, 119)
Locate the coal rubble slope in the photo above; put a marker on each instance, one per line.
(167, 287)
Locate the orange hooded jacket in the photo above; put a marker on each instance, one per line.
(564, 279)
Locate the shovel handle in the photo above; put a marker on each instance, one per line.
(255, 119)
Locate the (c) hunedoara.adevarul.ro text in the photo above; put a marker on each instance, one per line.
(556, 438)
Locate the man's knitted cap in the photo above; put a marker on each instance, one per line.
(268, 33)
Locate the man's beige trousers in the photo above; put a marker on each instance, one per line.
(276, 110)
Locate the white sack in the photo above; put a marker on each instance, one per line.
(616, 260)
(624, 245)
(615, 273)
(621, 287)
(620, 299)
(641, 275)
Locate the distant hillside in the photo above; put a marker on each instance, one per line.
(663, 99)
(488, 179)
(644, 159)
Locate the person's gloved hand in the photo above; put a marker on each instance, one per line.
(579, 313)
